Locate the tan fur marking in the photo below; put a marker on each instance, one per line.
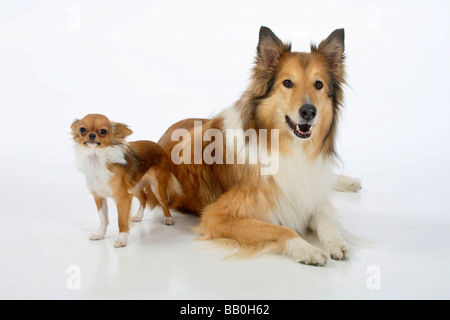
(237, 203)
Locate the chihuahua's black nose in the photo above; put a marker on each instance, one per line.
(92, 136)
(308, 111)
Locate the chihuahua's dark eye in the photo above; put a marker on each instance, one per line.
(318, 85)
(288, 83)
(103, 132)
(83, 130)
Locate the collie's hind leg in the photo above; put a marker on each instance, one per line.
(329, 236)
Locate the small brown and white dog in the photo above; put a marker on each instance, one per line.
(118, 169)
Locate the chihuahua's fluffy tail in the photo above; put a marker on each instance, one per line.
(159, 188)
(174, 187)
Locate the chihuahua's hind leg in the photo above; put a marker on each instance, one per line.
(139, 214)
(102, 207)
(161, 195)
(142, 197)
(159, 182)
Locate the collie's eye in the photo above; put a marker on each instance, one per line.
(102, 132)
(318, 85)
(288, 83)
(83, 130)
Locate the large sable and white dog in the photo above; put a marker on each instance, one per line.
(289, 112)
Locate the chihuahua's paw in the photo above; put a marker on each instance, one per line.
(139, 215)
(136, 218)
(169, 221)
(121, 240)
(97, 236)
(120, 243)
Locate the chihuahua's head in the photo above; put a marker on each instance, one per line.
(96, 131)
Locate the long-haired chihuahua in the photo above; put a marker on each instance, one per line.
(115, 168)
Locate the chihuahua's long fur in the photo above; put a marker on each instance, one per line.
(120, 170)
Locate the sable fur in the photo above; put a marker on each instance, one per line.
(256, 212)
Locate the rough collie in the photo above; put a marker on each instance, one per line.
(292, 103)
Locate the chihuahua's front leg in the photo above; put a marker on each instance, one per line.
(102, 207)
(123, 210)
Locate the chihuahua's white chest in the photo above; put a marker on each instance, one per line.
(94, 162)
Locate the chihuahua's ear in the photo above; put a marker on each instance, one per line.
(120, 130)
(75, 127)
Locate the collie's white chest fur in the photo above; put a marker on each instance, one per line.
(305, 185)
(93, 162)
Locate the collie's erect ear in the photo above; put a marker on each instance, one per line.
(333, 48)
(270, 48)
(268, 54)
(120, 130)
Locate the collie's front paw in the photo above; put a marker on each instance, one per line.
(314, 257)
(337, 248)
(121, 240)
(305, 253)
(347, 184)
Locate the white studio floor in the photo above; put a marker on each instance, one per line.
(45, 245)
(118, 60)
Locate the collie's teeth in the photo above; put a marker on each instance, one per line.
(297, 128)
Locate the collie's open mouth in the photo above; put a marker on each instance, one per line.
(300, 130)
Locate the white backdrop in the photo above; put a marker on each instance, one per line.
(151, 63)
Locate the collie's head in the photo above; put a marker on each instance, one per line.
(297, 93)
(96, 131)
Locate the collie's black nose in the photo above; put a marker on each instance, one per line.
(308, 111)
(92, 136)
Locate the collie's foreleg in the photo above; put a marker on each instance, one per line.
(225, 218)
(329, 236)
